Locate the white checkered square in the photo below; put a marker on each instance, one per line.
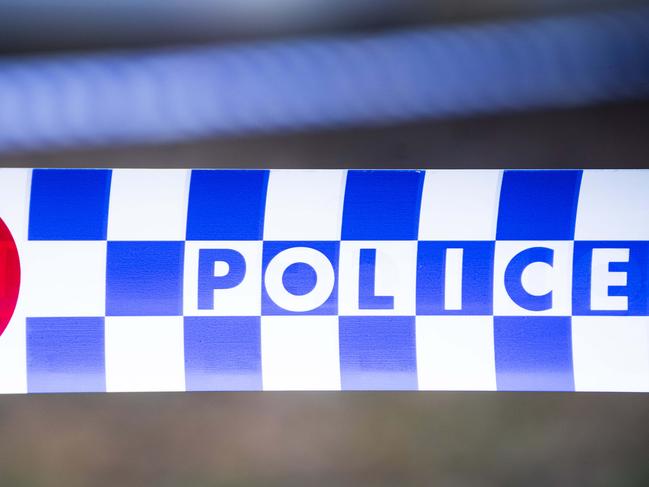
(148, 204)
(145, 354)
(13, 355)
(455, 353)
(613, 205)
(64, 278)
(14, 201)
(300, 353)
(611, 353)
(304, 205)
(459, 205)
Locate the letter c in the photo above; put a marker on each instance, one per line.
(514, 274)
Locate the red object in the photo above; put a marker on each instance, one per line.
(9, 276)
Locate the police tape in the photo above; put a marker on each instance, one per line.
(179, 279)
(177, 94)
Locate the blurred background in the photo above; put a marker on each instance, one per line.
(325, 83)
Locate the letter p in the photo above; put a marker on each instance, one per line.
(218, 269)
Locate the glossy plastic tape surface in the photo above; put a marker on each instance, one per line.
(138, 280)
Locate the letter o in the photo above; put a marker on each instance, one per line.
(325, 279)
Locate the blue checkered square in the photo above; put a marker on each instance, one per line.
(65, 354)
(222, 353)
(533, 353)
(538, 205)
(69, 204)
(226, 205)
(378, 353)
(144, 279)
(476, 279)
(382, 205)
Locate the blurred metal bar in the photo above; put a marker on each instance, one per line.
(174, 95)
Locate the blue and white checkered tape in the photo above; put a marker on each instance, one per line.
(149, 280)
